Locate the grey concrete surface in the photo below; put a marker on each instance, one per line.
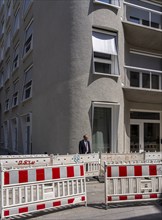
(96, 209)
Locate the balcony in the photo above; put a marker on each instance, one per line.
(143, 85)
(142, 24)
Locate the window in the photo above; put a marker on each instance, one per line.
(26, 128)
(6, 133)
(26, 5)
(16, 21)
(134, 20)
(16, 57)
(104, 126)
(27, 93)
(14, 134)
(7, 70)
(109, 2)
(15, 93)
(28, 38)
(145, 80)
(7, 106)
(105, 53)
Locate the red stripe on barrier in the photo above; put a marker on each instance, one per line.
(122, 171)
(83, 198)
(70, 201)
(41, 206)
(56, 173)
(138, 196)
(6, 213)
(122, 197)
(24, 209)
(6, 178)
(138, 170)
(23, 176)
(57, 203)
(152, 170)
(81, 170)
(70, 171)
(109, 198)
(40, 174)
(109, 174)
(153, 196)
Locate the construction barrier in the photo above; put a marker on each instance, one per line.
(153, 156)
(9, 161)
(132, 182)
(33, 189)
(91, 161)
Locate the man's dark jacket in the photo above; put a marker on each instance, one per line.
(83, 149)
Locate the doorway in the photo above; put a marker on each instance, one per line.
(145, 132)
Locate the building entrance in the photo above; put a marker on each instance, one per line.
(144, 132)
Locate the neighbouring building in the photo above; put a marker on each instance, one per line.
(70, 67)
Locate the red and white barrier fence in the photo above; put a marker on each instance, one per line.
(132, 182)
(32, 189)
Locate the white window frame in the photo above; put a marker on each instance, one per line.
(141, 80)
(26, 43)
(114, 58)
(28, 84)
(114, 106)
(107, 3)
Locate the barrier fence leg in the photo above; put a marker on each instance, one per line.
(105, 186)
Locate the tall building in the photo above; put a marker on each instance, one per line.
(70, 67)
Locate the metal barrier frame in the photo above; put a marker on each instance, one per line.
(19, 183)
(144, 173)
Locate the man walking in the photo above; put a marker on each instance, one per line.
(84, 145)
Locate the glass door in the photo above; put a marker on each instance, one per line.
(144, 136)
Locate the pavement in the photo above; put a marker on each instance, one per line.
(96, 209)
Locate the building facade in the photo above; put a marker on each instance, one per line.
(73, 67)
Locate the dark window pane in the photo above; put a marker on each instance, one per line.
(134, 79)
(155, 81)
(102, 55)
(145, 80)
(145, 115)
(154, 24)
(145, 22)
(135, 20)
(102, 68)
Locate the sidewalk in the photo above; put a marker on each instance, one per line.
(96, 209)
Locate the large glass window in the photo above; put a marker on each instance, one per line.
(14, 134)
(105, 53)
(105, 126)
(146, 80)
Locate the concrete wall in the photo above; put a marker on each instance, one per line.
(65, 86)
